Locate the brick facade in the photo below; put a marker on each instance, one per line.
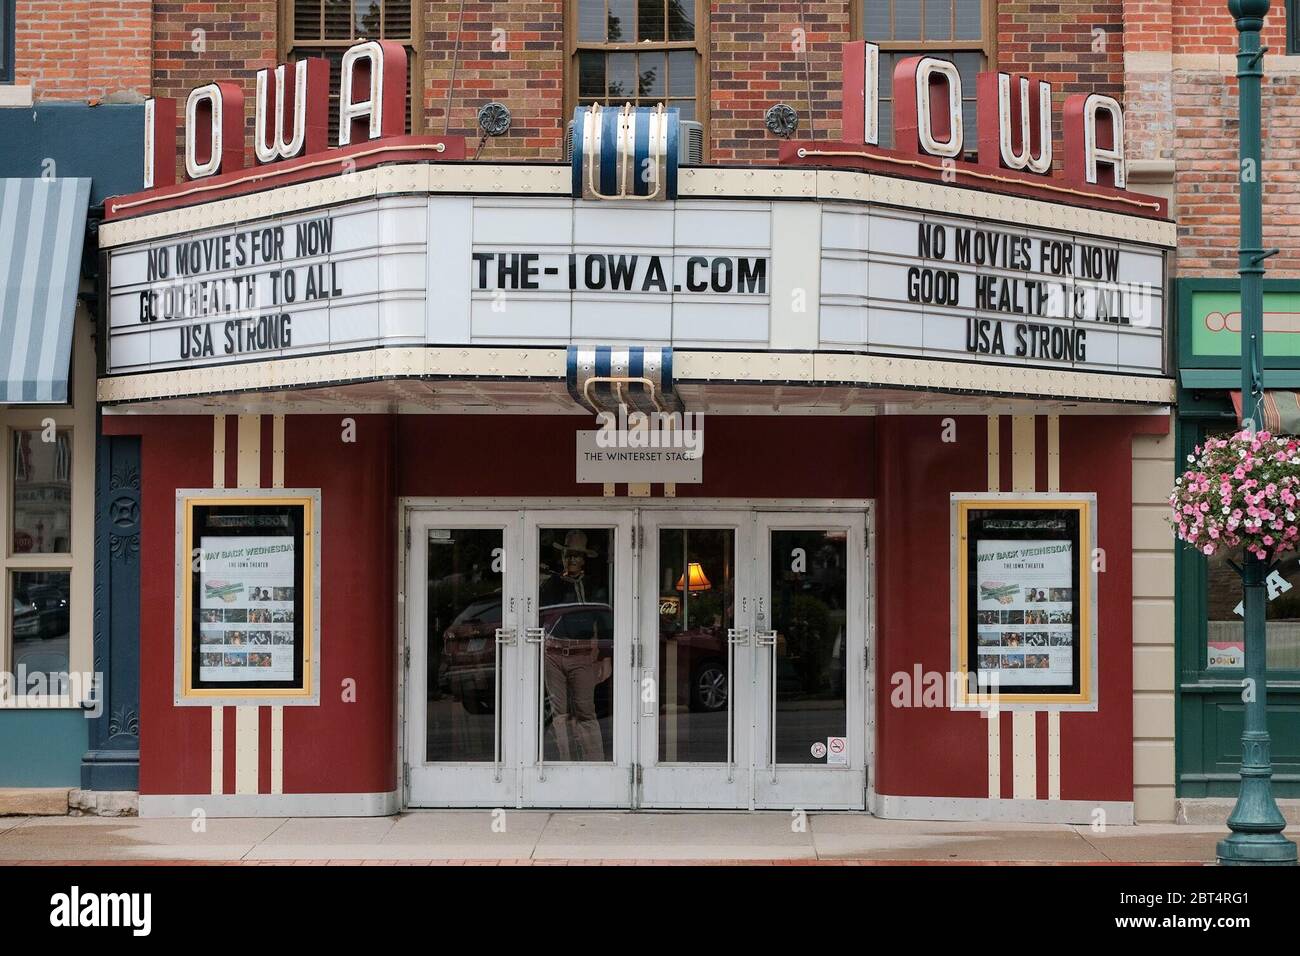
(82, 50)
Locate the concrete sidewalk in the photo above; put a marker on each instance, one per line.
(533, 836)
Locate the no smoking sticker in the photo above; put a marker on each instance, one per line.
(837, 749)
(818, 750)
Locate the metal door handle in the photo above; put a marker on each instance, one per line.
(738, 636)
(507, 636)
(768, 639)
(534, 635)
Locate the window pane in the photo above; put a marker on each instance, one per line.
(39, 625)
(622, 28)
(464, 588)
(591, 20)
(338, 19)
(1225, 637)
(696, 598)
(306, 20)
(887, 63)
(575, 600)
(907, 20)
(42, 490)
(651, 81)
(367, 19)
(875, 22)
(650, 20)
(622, 76)
(681, 19)
(938, 19)
(397, 20)
(681, 73)
(686, 108)
(591, 75)
(886, 123)
(970, 16)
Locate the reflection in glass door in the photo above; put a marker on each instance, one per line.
(575, 645)
(463, 665)
(809, 638)
(695, 672)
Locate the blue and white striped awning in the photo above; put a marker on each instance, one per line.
(42, 227)
(603, 377)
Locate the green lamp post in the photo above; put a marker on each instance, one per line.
(1256, 822)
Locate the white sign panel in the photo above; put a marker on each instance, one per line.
(622, 463)
(447, 270)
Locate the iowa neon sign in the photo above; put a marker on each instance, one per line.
(290, 113)
(1015, 118)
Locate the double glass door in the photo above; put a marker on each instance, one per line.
(640, 657)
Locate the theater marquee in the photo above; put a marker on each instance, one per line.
(446, 270)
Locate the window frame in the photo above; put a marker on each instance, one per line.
(987, 45)
(287, 42)
(1293, 27)
(77, 418)
(8, 13)
(700, 45)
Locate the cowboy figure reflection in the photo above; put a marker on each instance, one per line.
(571, 660)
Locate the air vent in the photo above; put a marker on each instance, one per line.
(690, 143)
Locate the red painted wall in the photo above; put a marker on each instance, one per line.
(922, 751)
(515, 455)
(902, 462)
(932, 751)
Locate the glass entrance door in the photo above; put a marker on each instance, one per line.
(576, 722)
(810, 663)
(464, 665)
(694, 700)
(717, 662)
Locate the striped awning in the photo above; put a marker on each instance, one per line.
(1280, 411)
(42, 227)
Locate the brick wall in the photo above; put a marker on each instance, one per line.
(199, 42)
(82, 50)
(754, 64)
(511, 52)
(1077, 45)
(1181, 108)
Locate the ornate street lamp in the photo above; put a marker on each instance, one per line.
(1256, 822)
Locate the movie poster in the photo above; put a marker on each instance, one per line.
(1024, 613)
(246, 609)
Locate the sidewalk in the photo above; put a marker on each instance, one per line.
(535, 836)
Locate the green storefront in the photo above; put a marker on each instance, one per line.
(1208, 594)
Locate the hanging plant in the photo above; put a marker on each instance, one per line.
(1241, 493)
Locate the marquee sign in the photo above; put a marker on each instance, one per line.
(629, 154)
(441, 270)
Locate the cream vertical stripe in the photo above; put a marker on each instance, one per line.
(218, 750)
(1024, 762)
(277, 451)
(1053, 755)
(277, 713)
(1024, 743)
(1054, 716)
(249, 473)
(250, 451)
(1022, 453)
(994, 716)
(218, 451)
(246, 749)
(277, 750)
(1053, 453)
(218, 713)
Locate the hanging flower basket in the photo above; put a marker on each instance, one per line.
(1240, 494)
